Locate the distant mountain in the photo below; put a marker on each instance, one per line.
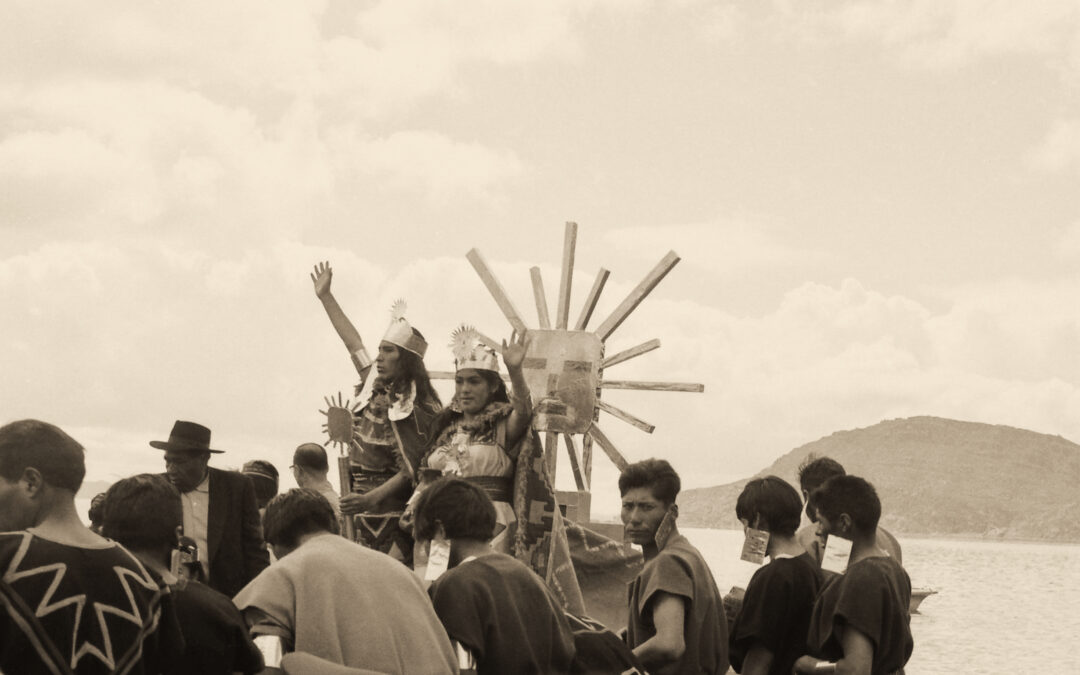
(938, 477)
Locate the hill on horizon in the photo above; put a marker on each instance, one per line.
(937, 477)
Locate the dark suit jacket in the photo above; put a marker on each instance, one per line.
(233, 533)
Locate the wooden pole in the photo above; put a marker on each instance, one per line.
(569, 245)
(551, 453)
(592, 299)
(643, 348)
(540, 297)
(637, 295)
(586, 459)
(653, 386)
(608, 447)
(496, 290)
(572, 451)
(625, 416)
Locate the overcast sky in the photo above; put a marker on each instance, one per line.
(876, 205)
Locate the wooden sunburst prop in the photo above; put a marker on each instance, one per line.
(565, 366)
(341, 424)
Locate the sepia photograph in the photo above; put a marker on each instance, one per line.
(566, 336)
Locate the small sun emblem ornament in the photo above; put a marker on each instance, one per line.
(341, 424)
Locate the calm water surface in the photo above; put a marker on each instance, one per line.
(1000, 607)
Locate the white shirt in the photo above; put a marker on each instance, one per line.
(196, 505)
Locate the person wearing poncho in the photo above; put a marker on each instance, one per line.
(391, 427)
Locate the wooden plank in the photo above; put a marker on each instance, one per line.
(586, 458)
(551, 452)
(592, 299)
(540, 297)
(637, 295)
(608, 447)
(625, 416)
(643, 348)
(562, 312)
(572, 451)
(653, 386)
(496, 290)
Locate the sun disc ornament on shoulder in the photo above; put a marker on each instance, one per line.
(470, 351)
(400, 332)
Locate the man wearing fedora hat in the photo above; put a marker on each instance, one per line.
(220, 512)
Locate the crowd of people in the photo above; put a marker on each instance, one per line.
(444, 555)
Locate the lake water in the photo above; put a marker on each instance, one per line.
(1000, 607)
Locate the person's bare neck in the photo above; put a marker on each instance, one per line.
(780, 545)
(60, 523)
(865, 546)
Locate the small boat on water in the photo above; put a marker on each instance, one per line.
(917, 596)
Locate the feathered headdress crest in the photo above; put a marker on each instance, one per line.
(470, 351)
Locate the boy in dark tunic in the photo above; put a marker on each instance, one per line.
(769, 633)
(71, 601)
(499, 614)
(860, 620)
(676, 615)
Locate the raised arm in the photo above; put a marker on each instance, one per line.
(513, 356)
(321, 278)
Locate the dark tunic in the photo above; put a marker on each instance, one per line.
(88, 610)
(775, 612)
(680, 570)
(872, 596)
(498, 608)
(215, 633)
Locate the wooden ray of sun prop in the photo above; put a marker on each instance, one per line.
(565, 365)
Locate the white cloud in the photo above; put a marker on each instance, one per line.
(953, 33)
(428, 163)
(724, 247)
(1068, 247)
(1060, 149)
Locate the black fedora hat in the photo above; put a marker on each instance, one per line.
(186, 436)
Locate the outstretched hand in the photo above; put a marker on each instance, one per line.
(514, 353)
(321, 278)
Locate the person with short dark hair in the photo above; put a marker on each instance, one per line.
(499, 614)
(97, 506)
(143, 513)
(264, 477)
(769, 632)
(70, 600)
(860, 622)
(220, 512)
(676, 618)
(813, 472)
(327, 600)
(310, 468)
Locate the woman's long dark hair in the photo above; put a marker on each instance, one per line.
(412, 370)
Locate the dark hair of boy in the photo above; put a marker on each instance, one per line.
(464, 510)
(42, 446)
(142, 512)
(851, 495)
(292, 514)
(814, 471)
(655, 474)
(772, 500)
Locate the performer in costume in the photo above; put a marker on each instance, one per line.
(484, 436)
(478, 437)
(391, 427)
